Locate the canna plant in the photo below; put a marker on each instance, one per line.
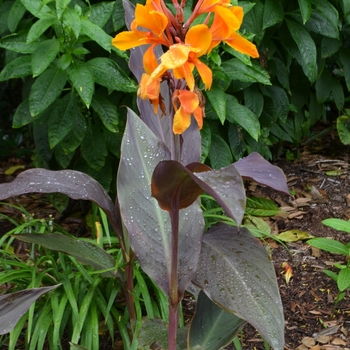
(157, 215)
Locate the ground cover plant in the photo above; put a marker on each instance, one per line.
(157, 216)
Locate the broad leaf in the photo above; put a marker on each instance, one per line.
(39, 27)
(22, 115)
(62, 118)
(107, 73)
(235, 272)
(17, 42)
(16, 13)
(343, 127)
(337, 224)
(306, 53)
(107, 112)
(100, 13)
(237, 70)
(305, 9)
(45, 53)
(243, 116)
(280, 102)
(273, 13)
(85, 252)
(74, 184)
(82, 80)
(343, 280)
(217, 98)
(20, 67)
(46, 88)
(148, 225)
(219, 153)
(61, 6)
(256, 168)
(329, 245)
(97, 34)
(212, 327)
(261, 207)
(14, 305)
(72, 20)
(36, 8)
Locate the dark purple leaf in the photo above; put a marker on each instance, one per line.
(235, 272)
(170, 179)
(255, 167)
(148, 225)
(14, 305)
(72, 183)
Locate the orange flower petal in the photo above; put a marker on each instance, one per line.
(198, 115)
(199, 36)
(238, 12)
(182, 121)
(150, 62)
(127, 40)
(228, 17)
(188, 100)
(242, 45)
(205, 73)
(153, 20)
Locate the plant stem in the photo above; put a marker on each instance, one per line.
(173, 283)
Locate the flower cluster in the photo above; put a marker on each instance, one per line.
(155, 24)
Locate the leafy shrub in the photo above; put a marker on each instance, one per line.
(62, 51)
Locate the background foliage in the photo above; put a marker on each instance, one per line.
(75, 83)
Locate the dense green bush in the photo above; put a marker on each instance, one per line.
(302, 77)
(75, 83)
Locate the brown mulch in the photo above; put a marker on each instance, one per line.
(311, 321)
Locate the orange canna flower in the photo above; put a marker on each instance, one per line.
(182, 58)
(150, 89)
(154, 21)
(186, 103)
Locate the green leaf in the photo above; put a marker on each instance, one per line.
(107, 111)
(22, 115)
(63, 158)
(14, 305)
(85, 252)
(243, 116)
(61, 6)
(345, 61)
(107, 73)
(320, 24)
(94, 148)
(261, 207)
(327, 10)
(257, 226)
(237, 70)
(236, 142)
(217, 98)
(148, 225)
(306, 54)
(254, 100)
(206, 141)
(305, 9)
(76, 134)
(82, 79)
(20, 67)
(338, 94)
(37, 8)
(323, 86)
(101, 12)
(61, 119)
(343, 280)
(280, 101)
(72, 20)
(118, 16)
(45, 53)
(337, 224)
(343, 127)
(47, 87)
(293, 236)
(212, 327)
(235, 271)
(329, 245)
(16, 13)
(273, 13)
(281, 73)
(39, 27)
(219, 154)
(97, 34)
(17, 42)
(329, 46)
